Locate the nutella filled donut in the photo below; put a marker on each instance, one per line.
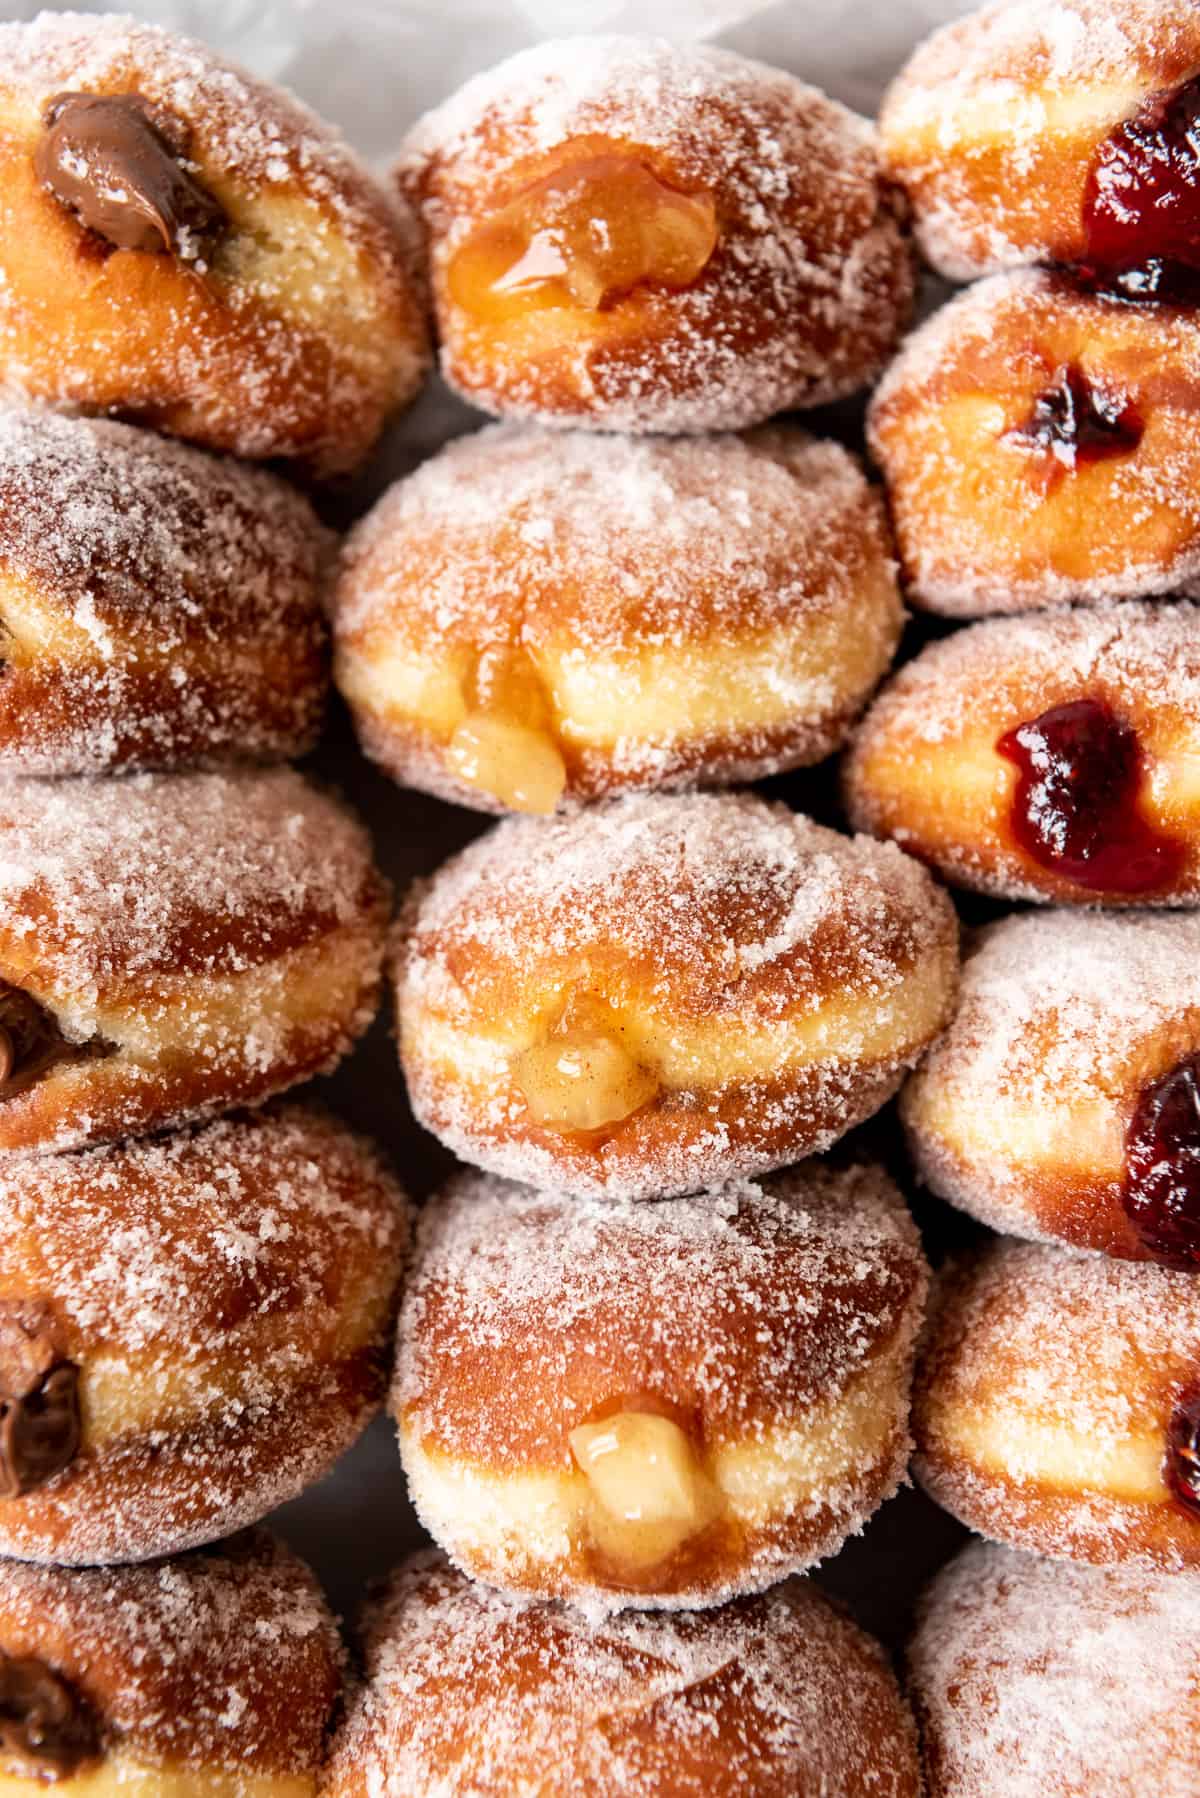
(187, 247)
(655, 995)
(192, 1330)
(1041, 447)
(1046, 757)
(641, 235)
(175, 944)
(158, 606)
(1063, 133)
(1057, 1405)
(1020, 1665)
(535, 616)
(469, 1692)
(657, 1405)
(1063, 1103)
(210, 1674)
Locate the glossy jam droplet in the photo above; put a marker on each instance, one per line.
(1161, 1189)
(506, 745)
(582, 1079)
(1076, 807)
(581, 238)
(1181, 1468)
(648, 1489)
(1141, 208)
(1075, 422)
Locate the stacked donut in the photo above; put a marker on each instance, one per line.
(197, 1286)
(1037, 437)
(655, 1349)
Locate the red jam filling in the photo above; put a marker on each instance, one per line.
(1076, 806)
(1181, 1468)
(1141, 207)
(1077, 423)
(1161, 1189)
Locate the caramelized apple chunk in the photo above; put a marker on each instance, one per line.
(506, 745)
(648, 1491)
(581, 1078)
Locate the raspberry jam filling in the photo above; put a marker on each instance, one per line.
(1161, 1188)
(1076, 807)
(1141, 207)
(1181, 1467)
(581, 238)
(1076, 422)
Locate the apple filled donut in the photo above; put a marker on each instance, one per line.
(1041, 447)
(192, 1330)
(470, 1692)
(642, 235)
(535, 617)
(214, 1673)
(1063, 1103)
(1062, 134)
(1057, 1405)
(158, 606)
(1020, 1665)
(175, 944)
(652, 996)
(184, 246)
(657, 1405)
(1045, 757)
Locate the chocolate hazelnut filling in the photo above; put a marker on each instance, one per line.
(47, 1729)
(115, 161)
(40, 1426)
(31, 1042)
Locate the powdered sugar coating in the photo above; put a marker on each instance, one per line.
(803, 296)
(223, 1662)
(1020, 1665)
(993, 123)
(469, 1691)
(712, 910)
(161, 606)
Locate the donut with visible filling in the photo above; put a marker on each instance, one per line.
(212, 1673)
(192, 1329)
(1041, 447)
(468, 1692)
(1046, 757)
(175, 944)
(158, 607)
(536, 617)
(1062, 133)
(657, 1405)
(1019, 1665)
(1057, 1405)
(1063, 1102)
(643, 235)
(185, 246)
(656, 994)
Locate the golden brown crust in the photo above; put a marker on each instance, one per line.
(226, 1661)
(303, 334)
(803, 217)
(989, 521)
(779, 1694)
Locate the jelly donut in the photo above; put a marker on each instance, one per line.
(175, 944)
(1057, 1405)
(215, 1673)
(470, 1692)
(1019, 1667)
(157, 606)
(652, 996)
(657, 1405)
(192, 1330)
(1047, 757)
(536, 616)
(1041, 447)
(1063, 1103)
(642, 235)
(1056, 134)
(186, 246)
